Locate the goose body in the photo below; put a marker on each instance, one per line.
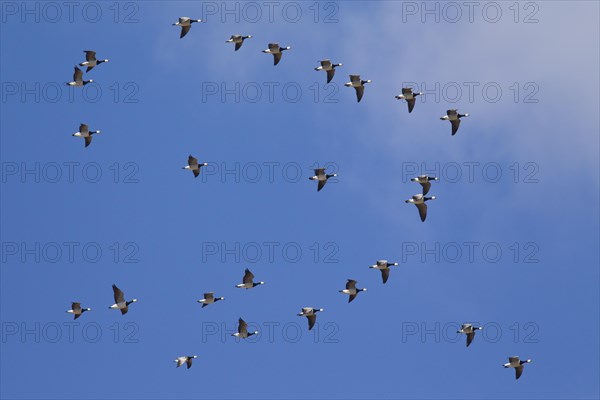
(90, 60)
(186, 24)
(351, 290)
(238, 40)
(358, 84)
(517, 364)
(84, 132)
(311, 314)
(78, 78)
(184, 360)
(76, 310)
(419, 201)
(248, 281)
(329, 67)
(425, 181)
(410, 97)
(321, 177)
(209, 298)
(454, 117)
(120, 303)
(194, 166)
(243, 330)
(469, 330)
(384, 267)
(276, 50)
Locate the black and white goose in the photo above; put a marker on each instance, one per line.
(352, 290)
(243, 330)
(238, 40)
(276, 50)
(321, 177)
(357, 84)
(76, 310)
(425, 181)
(248, 281)
(90, 60)
(78, 78)
(454, 117)
(311, 314)
(409, 96)
(384, 267)
(326, 65)
(120, 302)
(84, 132)
(184, 360)
(469, 330)
(186, 24)
(194, 166)
(209, 298)
(419, 201)
(517, 364)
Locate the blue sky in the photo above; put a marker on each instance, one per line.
(531, 279)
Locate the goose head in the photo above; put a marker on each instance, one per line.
(285, 48)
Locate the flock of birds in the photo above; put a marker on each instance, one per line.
(419, 200)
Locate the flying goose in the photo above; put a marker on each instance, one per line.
(184, 360)
(357, 84)
(76, 310)
(424, 180)
(78, 78)
(194, 166)
(454, 117)
(517, 364)
(186, 24)
(419, 201)
(91, 62)
(120, 302)
(311, 314)
(209, 298)
(243, 330)
(469, 330)
(276, 51)
(238, 40)
(384, 267)
(409, 96)
(352, 290)
(247, 282)
(326, 65)
(322, 177)
(84, 132)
